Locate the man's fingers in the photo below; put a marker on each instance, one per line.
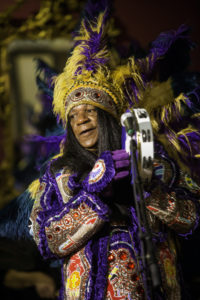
(121, 175)
(122, 164)
(120, 155)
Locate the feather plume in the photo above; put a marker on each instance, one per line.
(89, 62)
(15, 216)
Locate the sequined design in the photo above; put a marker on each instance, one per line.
(97, 172)
(163, 170)
(72, 230)
(185, 181)
(90, 95)
(62, 178)
(185, 217)
(77, 273)
(33, 225)
(180, 216)
(123, 279)
(70, 225)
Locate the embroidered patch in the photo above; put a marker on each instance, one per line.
(77, 276)
(123, 277)
(97, 172)
(159, 171)
(72, 229)
(73, 282)
(62, 179)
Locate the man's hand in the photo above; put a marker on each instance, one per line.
(122, 164)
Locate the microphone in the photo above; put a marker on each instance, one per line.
(127, 121)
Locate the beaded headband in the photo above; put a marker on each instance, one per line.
(93, 95)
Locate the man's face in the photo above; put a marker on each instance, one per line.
(83, 120)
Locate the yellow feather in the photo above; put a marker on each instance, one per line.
(33, 188)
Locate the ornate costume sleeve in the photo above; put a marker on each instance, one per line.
(174, 197)
(65, 216)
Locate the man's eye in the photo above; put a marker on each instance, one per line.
(91, 110)
(71, 117)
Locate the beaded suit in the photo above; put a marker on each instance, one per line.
(98, 248)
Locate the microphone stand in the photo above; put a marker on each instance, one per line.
(149, 262)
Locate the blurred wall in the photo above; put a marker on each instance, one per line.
(143, 20)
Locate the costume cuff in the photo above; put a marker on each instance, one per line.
(101, 175)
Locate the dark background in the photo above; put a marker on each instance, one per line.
(143, 20)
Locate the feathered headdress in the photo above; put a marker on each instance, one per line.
(88, 76)
(150, 83)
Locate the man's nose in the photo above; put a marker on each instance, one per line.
(82, 118)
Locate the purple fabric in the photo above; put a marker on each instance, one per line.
(41, 139)
(49, 208)
(72, 182)
(53, 208)
(102, 269)
(106, 177)
(96, 252)
(122, 164)
(121, 237)
(90, 199)
(44, 146)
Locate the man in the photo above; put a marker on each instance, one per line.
(83, 208)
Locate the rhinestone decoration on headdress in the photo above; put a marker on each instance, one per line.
(91, 95)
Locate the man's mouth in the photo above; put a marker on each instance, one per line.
(87, 131)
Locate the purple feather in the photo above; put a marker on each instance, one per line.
(91, 47)
(165, 40)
